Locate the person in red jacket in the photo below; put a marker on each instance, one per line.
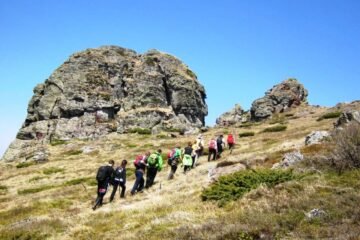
(230, 142)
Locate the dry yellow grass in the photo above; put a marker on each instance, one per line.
(64, 210)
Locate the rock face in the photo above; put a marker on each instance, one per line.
(109, 89)
(289, 93)
(316, 137)
(347, 117)
(236, 115)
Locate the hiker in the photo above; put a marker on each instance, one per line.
(173, 160)
(230, 142)
(154, 164)
(187, 159)
(194, 154)
(220, 145)
(119, 179)
(200, 143)
(212, 149)
(140, 165)
(103, 177)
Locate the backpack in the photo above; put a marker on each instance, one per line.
(230, 139)
(137, 160)
(152, 160)
(118, 173)
(212, 144)
(219, 141)
(101, 174)
(171, 154)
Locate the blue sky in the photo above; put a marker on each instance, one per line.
(238, 48)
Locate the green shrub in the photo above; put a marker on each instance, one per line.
(246, 134)
(3, 189)
(277, 118)
(131, 145)
(234, 186)
(277, 128)
(176, 130)
(73, 152)
(25, 164)
(35, 190)
(329, 115)
(36, 178)
(162, 136)
(246, 125)
(88, 180)
(150, 61)
(144, 131)
(52, 170)
(191, 73)
(55, 142)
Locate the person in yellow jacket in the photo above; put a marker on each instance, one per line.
(187, 159)
(195, 153)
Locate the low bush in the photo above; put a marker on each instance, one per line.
(25, 164)
(246, 134)
(346, 151)
(3, 189)
(329, 115)
(55, 142)
(246, 125)
(277, 128)
(73, 152)
(36, 178)
(191, 73)
(88, 180)
(35, 190)
(144, 131)
(277, 118)
(234, 186)
(52, 170)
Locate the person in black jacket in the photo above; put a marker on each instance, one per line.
(119, 179)
(103, 178)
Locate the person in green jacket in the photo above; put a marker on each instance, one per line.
(154, 164)
(187, 158)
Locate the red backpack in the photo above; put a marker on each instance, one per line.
(137, 160)
(171, 154)
(212, 144)
(230, 139)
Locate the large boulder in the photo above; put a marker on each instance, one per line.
(347, 117)
(289, 159)
(112, 89)
(289, 93)
(235, 115)
(316, 137)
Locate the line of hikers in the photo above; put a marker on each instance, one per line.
(153, 163)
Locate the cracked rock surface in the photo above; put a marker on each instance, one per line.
(111, 89)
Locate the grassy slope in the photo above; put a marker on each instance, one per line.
(54, 199)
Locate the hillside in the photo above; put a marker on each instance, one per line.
(53, 199)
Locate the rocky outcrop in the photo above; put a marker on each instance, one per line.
(316, 137)
(112, 89)
(289, 159)
(289, 93)
(347, 117)
(236, 115)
